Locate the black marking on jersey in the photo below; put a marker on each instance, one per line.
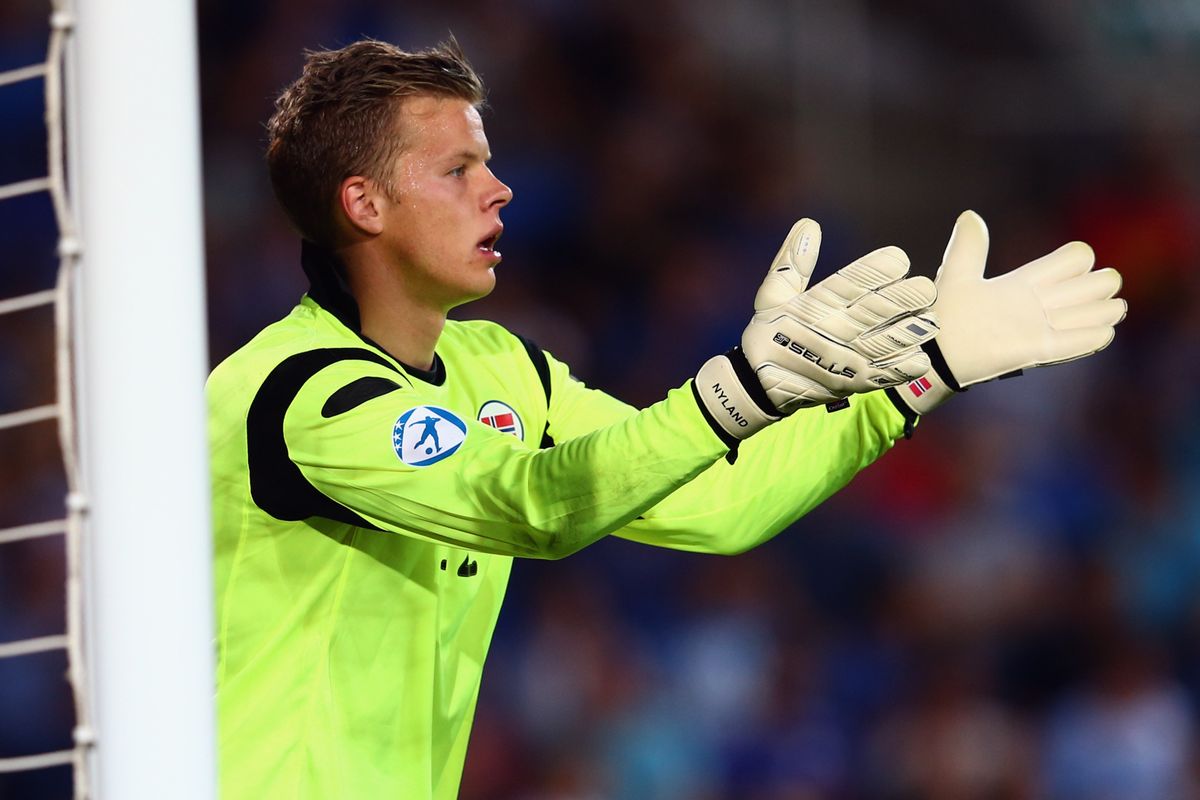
(468, 568)
(355, 393)
(837, 405)
(443, 565)
(434, 376)
(538, 357)
(277, 485)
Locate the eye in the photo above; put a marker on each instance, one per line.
(458, 171)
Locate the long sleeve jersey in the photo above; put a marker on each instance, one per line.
(366, 515)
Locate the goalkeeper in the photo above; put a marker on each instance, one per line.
(376, 466)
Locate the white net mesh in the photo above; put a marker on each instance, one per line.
(60, 299)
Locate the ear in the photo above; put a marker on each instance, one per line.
(360, 201)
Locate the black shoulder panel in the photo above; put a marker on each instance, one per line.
(538, 357)
(355, 393)
(276, 484)
(539, 363)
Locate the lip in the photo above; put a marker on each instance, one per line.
(487, 244)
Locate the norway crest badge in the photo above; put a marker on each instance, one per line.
(503, 417)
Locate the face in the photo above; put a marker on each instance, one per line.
(441, 218)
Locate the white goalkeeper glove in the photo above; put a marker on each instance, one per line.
(1051, 310)
(858, 330)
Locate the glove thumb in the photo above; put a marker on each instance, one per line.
(966, 253)
(793, 266)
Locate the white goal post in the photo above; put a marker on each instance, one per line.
(140, 366)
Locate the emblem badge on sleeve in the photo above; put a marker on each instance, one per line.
(426, 434)
(503, 417)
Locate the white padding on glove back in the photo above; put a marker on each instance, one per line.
(858, 330)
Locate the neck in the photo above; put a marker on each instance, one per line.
(391, 314)
(409, 335)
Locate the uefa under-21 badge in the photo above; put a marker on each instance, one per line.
(503, 417)
(426, 434)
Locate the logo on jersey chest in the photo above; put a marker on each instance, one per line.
(503, 417)
(426, 434)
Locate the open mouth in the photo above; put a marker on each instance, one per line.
(488, 243)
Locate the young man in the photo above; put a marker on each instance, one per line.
(376, 467)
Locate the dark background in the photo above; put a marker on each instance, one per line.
(1003, 607)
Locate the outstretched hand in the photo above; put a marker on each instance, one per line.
(858, 330)
(1051, 310)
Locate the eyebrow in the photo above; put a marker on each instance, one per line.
(469, 155)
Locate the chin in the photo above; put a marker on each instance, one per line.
(487, 284)
(480, 290)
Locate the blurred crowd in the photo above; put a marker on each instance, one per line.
(1004, 606)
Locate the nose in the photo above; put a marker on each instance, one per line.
(498, 194)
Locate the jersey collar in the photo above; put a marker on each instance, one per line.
(327, 284)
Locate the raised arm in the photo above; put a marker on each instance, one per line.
(401, 462)
(398, 461)
(777, 477)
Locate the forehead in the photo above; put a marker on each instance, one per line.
(432, 126)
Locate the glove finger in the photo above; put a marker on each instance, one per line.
(1099, 284)
(797, 256)
(902, 297)
(852, 282)
(793, 266)
(906, 333)
(1069, 261)
(1088, 315)
(1076, 343)
(876, 310)
(877, 268)
(966, 252)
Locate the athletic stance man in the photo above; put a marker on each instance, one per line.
(376, 467)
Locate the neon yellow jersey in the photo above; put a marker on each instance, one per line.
(366, 515)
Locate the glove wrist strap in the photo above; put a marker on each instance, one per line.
(732, 404)
(924, 394)
(937, 360)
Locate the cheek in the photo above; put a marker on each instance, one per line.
(447, 221)
(432, 221)
(433, 238)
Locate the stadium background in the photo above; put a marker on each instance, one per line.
(1003, 607)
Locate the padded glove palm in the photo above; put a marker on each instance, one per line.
(1051, 310)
